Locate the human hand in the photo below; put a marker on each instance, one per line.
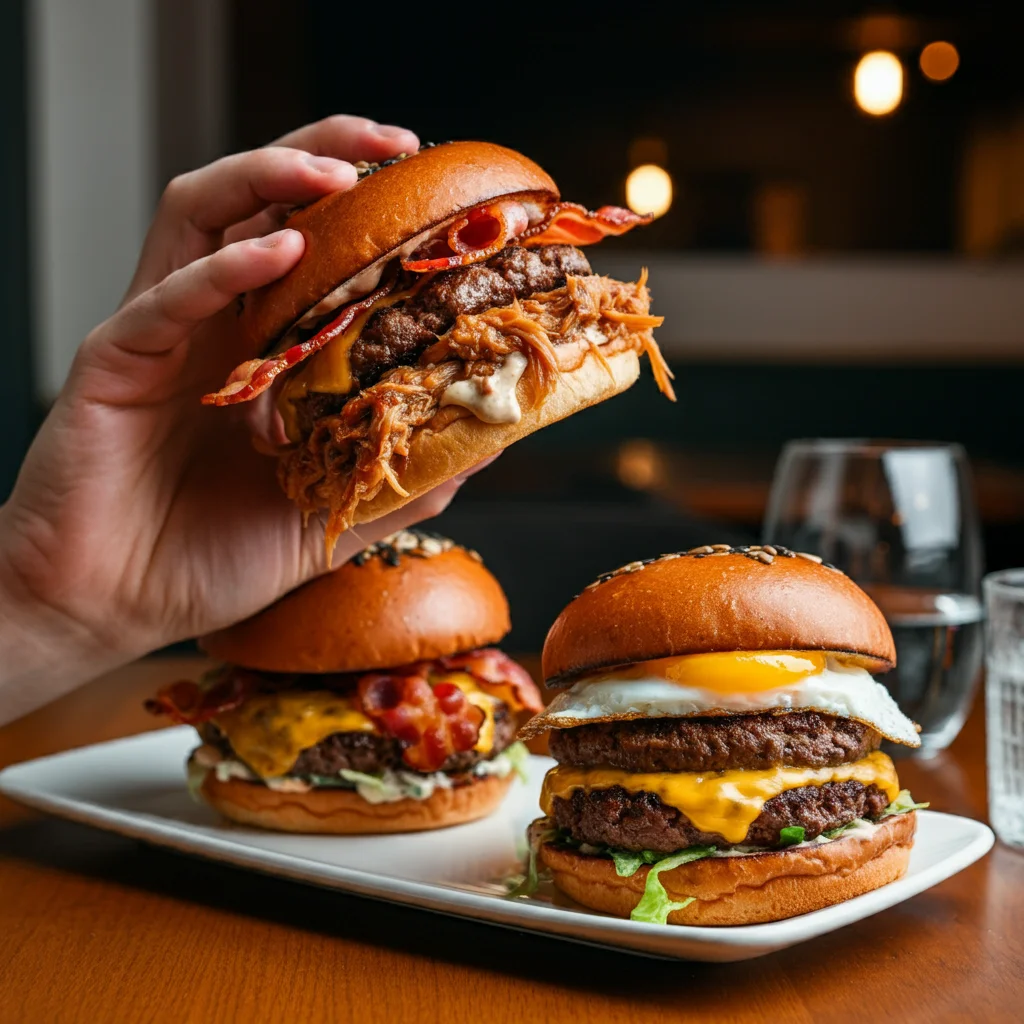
(141, 517)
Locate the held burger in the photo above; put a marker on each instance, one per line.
(717, 736)
(442, 310)
(365, 701)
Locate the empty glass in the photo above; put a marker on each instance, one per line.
(1004, 703)
(899, 517)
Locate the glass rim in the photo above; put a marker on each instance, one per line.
(867, 445)
(1005, 583)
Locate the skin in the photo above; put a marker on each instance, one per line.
(141, 517)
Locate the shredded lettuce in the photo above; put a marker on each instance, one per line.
(655, 906)
(528, 885)
(792, 835)
(519, 756)
(903, 803)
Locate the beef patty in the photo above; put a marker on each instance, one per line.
(396, 335)
(640, 821)
(371, 753)
(800, 739)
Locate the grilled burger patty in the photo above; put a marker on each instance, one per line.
(640, 821)
(396, 335)
(800, 739)
(371, 753)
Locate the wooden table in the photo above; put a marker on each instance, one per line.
(94, 927)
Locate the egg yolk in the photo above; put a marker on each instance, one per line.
(734, 671)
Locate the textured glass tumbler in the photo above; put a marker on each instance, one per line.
(899, 518)
(1004, 702)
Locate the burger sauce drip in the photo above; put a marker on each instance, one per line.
(433, 722)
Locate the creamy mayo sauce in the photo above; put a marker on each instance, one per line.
(491, 399)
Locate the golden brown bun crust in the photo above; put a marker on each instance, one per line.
(746, 890)
(435, 457)
(372, 616)
(347, 231)
(343, 812)
(726, 602)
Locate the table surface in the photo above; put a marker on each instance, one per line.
(96, 927)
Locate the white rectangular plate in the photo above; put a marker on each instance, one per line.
(136, 787)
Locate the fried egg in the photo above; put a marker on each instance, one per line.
(747, 682)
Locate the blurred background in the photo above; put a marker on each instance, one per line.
(839, 250)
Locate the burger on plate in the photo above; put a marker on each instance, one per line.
(717, 734)
(442, 310)
(368, 700)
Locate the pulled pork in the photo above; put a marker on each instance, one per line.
(350, 455)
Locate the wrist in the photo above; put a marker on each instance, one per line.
(45, 651)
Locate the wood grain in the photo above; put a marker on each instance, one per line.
(94, 927)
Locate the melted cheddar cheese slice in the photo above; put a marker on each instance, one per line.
(270, 730)
(722, 802)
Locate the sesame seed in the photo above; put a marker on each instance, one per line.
(724, 548)
(704, 549)
(771, 551)
(809, 557)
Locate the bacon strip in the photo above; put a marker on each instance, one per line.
(433, 722)
(255, 376)
(496, 672)
(573, 224)
(190, 703)
(482, 232)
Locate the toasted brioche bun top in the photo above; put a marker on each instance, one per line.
(372, 614)
(348, 231)
(704, 602)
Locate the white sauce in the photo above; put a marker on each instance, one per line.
(491, 399)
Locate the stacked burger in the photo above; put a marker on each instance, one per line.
(442, 310)
(717, 734)
(368, 700)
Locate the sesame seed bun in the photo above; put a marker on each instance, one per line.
(347, 232)
(768, 886)
(345, 812)
(373, 615)
(708, 601)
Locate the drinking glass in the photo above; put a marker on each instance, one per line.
(1004, 702)
(899, 518)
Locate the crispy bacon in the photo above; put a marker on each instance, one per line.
(254, 377)
(499, 675)
(573, 224)
(482, 232)
(433, 722)
(190, 703)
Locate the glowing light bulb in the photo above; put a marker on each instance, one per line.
(878, 83)
(939, 60)
(649, 190)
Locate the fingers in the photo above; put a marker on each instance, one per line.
(236, 187)
(155, 323)
(342, 137)
(347, 137)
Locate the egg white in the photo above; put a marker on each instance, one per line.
(847, 691)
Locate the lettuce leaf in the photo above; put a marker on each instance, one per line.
(627, 863)
(903, 803)
(655, 906)
(195, 774)
(528, 885)
(792, 835)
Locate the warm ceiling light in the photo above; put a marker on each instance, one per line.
(878, 83)
(939, 60)
(649, 189)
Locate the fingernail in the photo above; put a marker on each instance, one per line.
(324, 164)
(389, 131)
(271, 241)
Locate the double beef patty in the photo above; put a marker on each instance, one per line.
(640, 821)
(396, 335)
(372, 754)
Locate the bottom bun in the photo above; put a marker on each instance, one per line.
(437, 456)
(345, 812)
(750, 889)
